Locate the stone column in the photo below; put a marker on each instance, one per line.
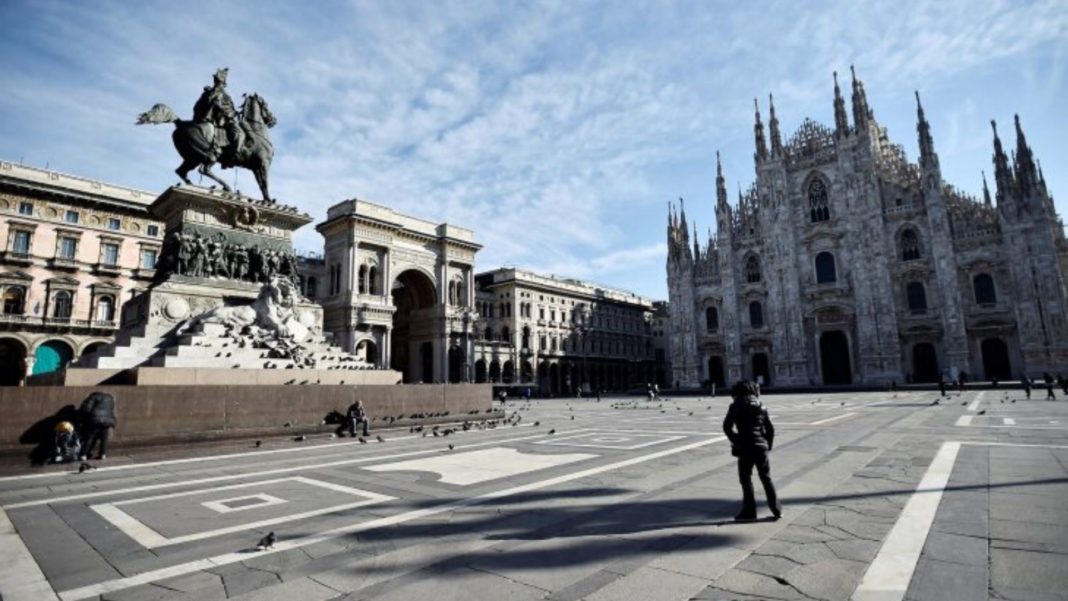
(387, 347)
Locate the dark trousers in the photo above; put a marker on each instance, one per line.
(747, 459)
(351, 423)
(1049, 391)
(97, 433)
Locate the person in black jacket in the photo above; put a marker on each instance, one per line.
(98, 417)
(354, 416)
(752, 436)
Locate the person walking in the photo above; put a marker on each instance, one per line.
(1049, 386)
(942, 386)
(752, 436)
(1027, 385)
(98, 415)
(355, 415)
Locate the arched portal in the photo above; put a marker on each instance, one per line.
(554, 379)
(495, 372)
(526, 372)
(715, 371)
(456, 365)
(480, 371)
(51, 356)
(12, 362)
(924, 363)
(996, 359)
(761, 372)
(366, 350)
(834, 358)
(508, 373)
(411, 345)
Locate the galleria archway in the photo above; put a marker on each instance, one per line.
(413, 296)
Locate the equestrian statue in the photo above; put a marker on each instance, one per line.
(218, 133)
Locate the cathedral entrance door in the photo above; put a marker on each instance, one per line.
(996, 359)
(834, 358)
(924, 363)
(761, 373)
(715, 372)
(12, 362)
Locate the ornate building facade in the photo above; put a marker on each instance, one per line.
(74, 251)
(845, 263)
(558, 336)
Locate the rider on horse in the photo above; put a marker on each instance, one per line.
(216, 107)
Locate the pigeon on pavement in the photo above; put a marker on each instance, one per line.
(266, 542)
(380, 439)
(85, 467)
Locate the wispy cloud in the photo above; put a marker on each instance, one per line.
(556, 130)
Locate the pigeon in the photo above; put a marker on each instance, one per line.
(451, 447)
(85, 467)
(1014, 400)
(964, 403)
(287, 425)
(435, 433)
(259, 443)
(266, 542)
(843, 404)
(301, 438)
(536, 424)
(553, 431)
(573, 417)
(983, 412)
(363, 440)
(380, 439)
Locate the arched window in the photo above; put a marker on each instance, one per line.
(526, 337)
(756, 315)
(752, 269)
(506, 334)
(372, 280)
(818, 206)
(489, 334)
(711, 319)
(984, 289)
(61, 304)
(917, 298)
(14, 300)
(825, 271)
(362, 282)
(910, 245)
(311, 289)
(105, 308)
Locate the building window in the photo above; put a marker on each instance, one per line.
(311, 288)
(361, 280)
(68, 248)
(14, 300)
(756, 315)
(711, 319)
(25, 208)
(825, 271)
(71, 217)
(372, 280)
(114, 223)
(917, 298)
(20, 242)
(152, 230)
(984, 289)
(105, 308)
(506, 334)
(109, 254)
(148, 258)
(61, 305)
(489, 334)
(910, 245)
(817, 201)
(752, 270)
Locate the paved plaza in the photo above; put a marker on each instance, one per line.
(887, 496)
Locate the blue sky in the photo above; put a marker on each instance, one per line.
(558, 131)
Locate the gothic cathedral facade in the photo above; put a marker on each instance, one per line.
(846, 264)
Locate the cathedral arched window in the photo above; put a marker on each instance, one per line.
(756, 315)
(818, 201)
(752, 270)
(488, 335)
(506, 334)
(362, 282)
(984, 289)
(825, 271)
(917, 298)
(910, 245)
(711, 319)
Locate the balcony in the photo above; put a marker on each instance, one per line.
(107, 268)
(14, 257)
(65, 263)
(25, 321)
(144, 273)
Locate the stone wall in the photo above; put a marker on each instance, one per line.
(158, 414)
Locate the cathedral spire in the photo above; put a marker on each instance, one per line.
(773, 123)
(986, 190)
(1026, 173)
(841, 122)
(1003, 178)
(928, 158)
(861, 111)
(721, 186)
(761, 154)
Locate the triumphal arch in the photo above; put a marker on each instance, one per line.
(399, 290)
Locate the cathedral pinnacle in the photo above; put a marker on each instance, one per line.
(758, 133)
(841, 122)
(721, 185)
(986, 190)
(861, 111)
(773, 123)
(928, 158)
(1003, 177)
(1026, 173)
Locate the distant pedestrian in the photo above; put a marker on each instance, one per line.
(1049, 386)
(1026, 385)
(502, 396)
(752, 436)
(356, 415)
(98, 417)
(1063, 382)
(942, 386)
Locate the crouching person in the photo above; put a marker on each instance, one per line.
(752, 435)
(98, 415)
(354, 416)
(67, 444)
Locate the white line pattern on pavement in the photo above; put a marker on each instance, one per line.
(20, 577)
(888, 577)
(94, 590)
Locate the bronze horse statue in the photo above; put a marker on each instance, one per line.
(195, 142)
